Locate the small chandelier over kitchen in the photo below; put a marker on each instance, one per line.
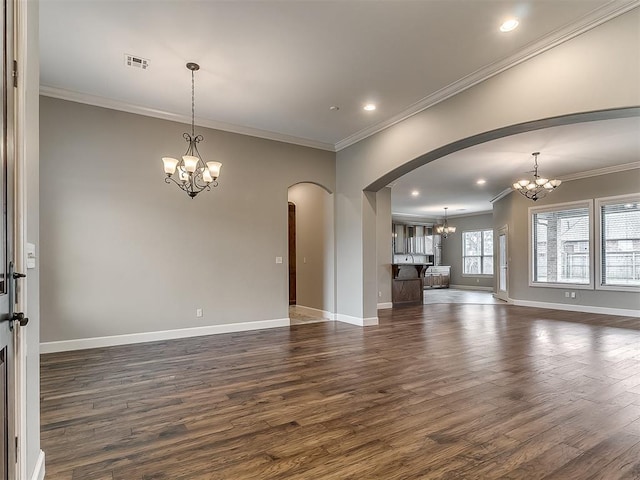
(445, 229)
(193, 174)
(538, 187)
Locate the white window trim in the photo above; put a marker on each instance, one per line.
(635, 197)
(477, 275)
(554, 208)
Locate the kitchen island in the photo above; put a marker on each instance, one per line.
(407, 286)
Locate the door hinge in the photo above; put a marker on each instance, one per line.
(15, 73)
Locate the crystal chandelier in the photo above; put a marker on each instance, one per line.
(445, 229)
(538, 187)
(194, 175)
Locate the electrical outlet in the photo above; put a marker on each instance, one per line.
(566, 294)
(278, 259)
(379, 294)
(573, 294)
(198, 312)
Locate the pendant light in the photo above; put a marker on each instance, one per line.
(193, 175)
(445, 229)
(538, 187)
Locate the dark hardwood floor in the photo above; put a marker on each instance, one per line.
(433, 392)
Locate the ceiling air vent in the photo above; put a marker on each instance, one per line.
(135, 62)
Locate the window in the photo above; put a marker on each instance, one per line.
(477, 252)
(560, 245)
(619, 242)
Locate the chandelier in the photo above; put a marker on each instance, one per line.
(193, 174)
(445, 229)
(538, 187)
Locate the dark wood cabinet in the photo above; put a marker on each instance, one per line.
(407, 288)
(407, 292)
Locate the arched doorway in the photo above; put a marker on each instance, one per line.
(311, 252)
(566, 138)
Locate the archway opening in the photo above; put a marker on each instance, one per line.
(574, 147)
(311, 253)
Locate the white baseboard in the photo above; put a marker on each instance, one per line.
(314, 312)
(83, 343)
(625, 312)
(361, 322)
(382, 306)
(38, 472)
(472, 287)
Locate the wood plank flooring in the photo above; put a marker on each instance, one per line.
(433, 392)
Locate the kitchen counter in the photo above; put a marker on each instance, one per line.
(408, 270)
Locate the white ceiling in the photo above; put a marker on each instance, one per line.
(273, 69)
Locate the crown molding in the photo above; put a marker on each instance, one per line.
(470, 214)
(103, 102)
(501, 195)
(417, 219)
(600, 171)
(579, 175)
(587, 22)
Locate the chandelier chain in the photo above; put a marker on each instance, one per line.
(193, 103)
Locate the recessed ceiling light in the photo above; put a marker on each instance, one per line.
(509, 25)
(481, 181)
(369, 107)
(415, 193)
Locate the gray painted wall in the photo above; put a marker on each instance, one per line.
(314, 246)
(452, 249)
(598, 70)
(123, 252)
(513, 211)
(384, 244)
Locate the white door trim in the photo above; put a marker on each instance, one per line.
(20, 228)
(503, 294)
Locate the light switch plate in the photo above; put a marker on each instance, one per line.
(278, 259)
(31, 255)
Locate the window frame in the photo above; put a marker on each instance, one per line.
(557, 207)
(599, 203)
(481, 256)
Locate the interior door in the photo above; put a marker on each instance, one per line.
(292, 254)
(7, 369)
(503, 265)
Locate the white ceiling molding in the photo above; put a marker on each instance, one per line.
(174, 117)
(501, 195)
(608, 11)
(592, 20)
(579, 175)
(429, 220)
(601, 171)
